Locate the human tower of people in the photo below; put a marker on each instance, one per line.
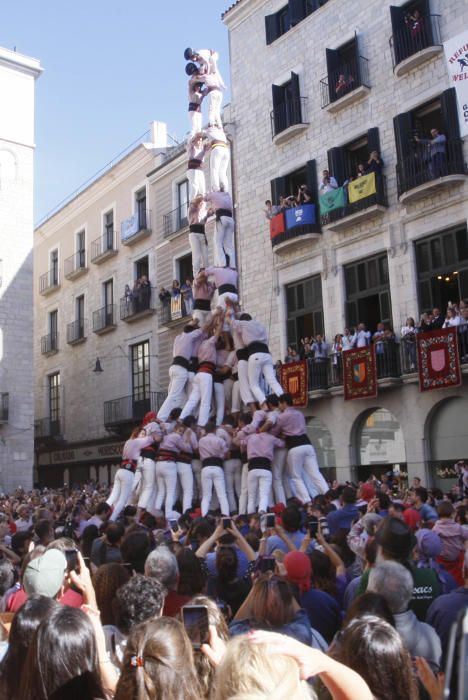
(226, 426)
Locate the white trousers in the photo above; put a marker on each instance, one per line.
(121, 491)
(215, 99)
(219, 163)
(260, 363)
(220, 400)
(278, 469)
(148, 482)
(185, 474)
(302, 459)
(222, 300)
(166, 483)
(199, 250)
(235, 398)
(258, 485)
(195, 122)
(175, 394)
(244, 384)
(202, 389)
(213, 477)
(244, 489)
(196, 181)
(224, 242)
(202, 316)
(228, 384)
(232, 477)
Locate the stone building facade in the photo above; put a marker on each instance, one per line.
(396, 254)
(18, 76)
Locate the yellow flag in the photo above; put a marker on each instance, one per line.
(362, 187)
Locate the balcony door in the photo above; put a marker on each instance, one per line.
(108, 293)
(80, 250)
(54, 403)
(141, 397)
(54, 268)
(53, 330)
(182, 203)
(140, 206)
(79, 316)
(108, 242)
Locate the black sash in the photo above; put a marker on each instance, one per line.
(197, 228)
(167, 456)
(150, 452)
(296, 440)
(235, 377)
(227, 288)
(242, 354)
(181, 361)
(259, 463)
(223, 212)
(202, 304)
(185, 457)
(194, 107)
(194, 164)
(193, 364)
(256, 346)
(212, 462)
(129, 464)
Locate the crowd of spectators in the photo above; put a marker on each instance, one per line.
(138, 297)
(184, 292)
(351, 597)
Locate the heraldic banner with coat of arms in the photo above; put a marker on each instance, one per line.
(294, 380)
(438, 360)
(360, 373)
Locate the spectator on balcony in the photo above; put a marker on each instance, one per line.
(463, 333)
(362, 336)
(361, 170)
(328, 183)
(187, 296)
(307, 352)
(337, 359)
(175, 290)
(347, 340)
(292, 355)
(438, 153)
(425, 323)
(320, 349)
(128, 296)
(343, 85)
(408, 339)
(375, 164)
(144, 292)
(164, 296)
(304, 195)
(271, 210)
(452, 319)
(437, 320)
(415, 23)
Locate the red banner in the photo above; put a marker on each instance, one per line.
(438, 360)
(294, 380)
(277, 225)
(360, 373)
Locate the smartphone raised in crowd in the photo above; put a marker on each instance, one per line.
(270, 520)
(196, 623)
(267, 564)
(226, 523)
(174, 525)
(313, 526)
(73, 563)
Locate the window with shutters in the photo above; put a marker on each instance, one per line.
(367, 288)
(288, 16)
(442, 269)
(295, 198)
(304, 309)
(414, 30)
(347, 71)
(288, 105)
(428, 144)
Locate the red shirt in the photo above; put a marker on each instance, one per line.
(17, 599)
(173, 603)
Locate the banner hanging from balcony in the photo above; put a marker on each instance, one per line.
(294, 380)
(456, 55)
(176, 307)
(360, 373)
(362, 187)
(300, 216)
(438, 360)
(335, 199)
(129, 227)
(277, 225)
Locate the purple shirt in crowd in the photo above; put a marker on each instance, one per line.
(212, 446)
(183, 343)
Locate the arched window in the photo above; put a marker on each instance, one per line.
(379, 444)
(321, 439)
(448, 440)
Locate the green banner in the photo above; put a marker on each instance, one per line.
(335, 199)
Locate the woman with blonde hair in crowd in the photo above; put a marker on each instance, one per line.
(158, 663)
(205, 670)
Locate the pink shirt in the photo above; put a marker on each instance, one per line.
(262, 445)
(224, 435)
(197, 214)
(202, 290)
(191, 440)
(207, 350)
(132, 448)
(197, 151)
(174, 443)
(232, 361)
(219, 200)
(212, 446)
(183, 343)
(251, 331)
(222, 275)
(290, 422)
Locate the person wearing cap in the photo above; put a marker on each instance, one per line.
(394, 582)
(46, 575)
(322, 609)
(179, 369)
(396, 542)
(428, 548)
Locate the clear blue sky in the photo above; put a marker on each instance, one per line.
(109, 69)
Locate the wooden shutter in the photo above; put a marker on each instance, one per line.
(295, 111)
(448, 104)
(333, 68)
(278, 188)
(373, 140)
(400, 46)
(279, 118)
(271, 28)
(337, 164)
(403, 127)
(357, 63)
(428, 35)
(296, 11)
(311, 179)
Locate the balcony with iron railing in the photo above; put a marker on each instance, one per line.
(76, 332)
(415, 43)
(363, 209)
(136, 227)
(49, 282)
(175, 221)
(49, 344)
(130, 409)
(288, 119)
(103, 248)
(421, 170)
(4, 407)
(293, 226)
(75, 265)
(172, 312)
(46, 428)
(104, 319)
(345, 85)
(138, 305)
